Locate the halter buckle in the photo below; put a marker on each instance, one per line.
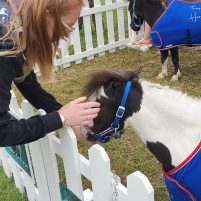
(120, 112)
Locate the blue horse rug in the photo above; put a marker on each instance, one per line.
(180, 24)
(184, 181)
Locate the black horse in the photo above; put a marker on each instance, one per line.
(150, 11)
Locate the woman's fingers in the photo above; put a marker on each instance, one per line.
(79, 112)
(90, 105)
(88, 120)
(80, 100)
(91, 111)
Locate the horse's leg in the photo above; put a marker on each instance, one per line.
(164, 61)
(91, 5)
(175, 60)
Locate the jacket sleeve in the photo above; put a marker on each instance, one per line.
(36, 95)
(13, 131)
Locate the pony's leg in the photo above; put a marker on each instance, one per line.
(164, 61)
(175, 60)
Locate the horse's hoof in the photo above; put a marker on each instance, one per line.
(174, 78)
(162, 75)
(178, 73)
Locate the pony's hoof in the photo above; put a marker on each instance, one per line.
(162, 75)
(175, 78)
(178, 73)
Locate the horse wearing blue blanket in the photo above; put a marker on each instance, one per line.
(173, 23)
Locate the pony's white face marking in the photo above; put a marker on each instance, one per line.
(97, 94)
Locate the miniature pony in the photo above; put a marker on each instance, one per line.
(167, 121)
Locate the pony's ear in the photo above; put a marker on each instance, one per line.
(138, 71)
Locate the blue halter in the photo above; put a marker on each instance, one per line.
(107, 134)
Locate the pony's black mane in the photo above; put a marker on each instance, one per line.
(101, 78)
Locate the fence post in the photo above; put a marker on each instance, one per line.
(139, 187)
(100, 174)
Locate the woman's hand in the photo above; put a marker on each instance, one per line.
(79, 112)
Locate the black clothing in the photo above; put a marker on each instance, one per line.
(13, 131)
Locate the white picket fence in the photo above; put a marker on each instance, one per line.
(112, 31)
(44, 184)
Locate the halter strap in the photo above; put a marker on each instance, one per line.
(121, 108)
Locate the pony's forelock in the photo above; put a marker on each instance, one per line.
(99, 79)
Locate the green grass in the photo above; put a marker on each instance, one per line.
(8, 191)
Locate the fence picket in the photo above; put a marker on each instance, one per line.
(139, 187)
(77, 42)
(30, 188)
(64, 52)
(99, 27)
(100, 174)
(110, 25)
(70, 157)
(88, 33)
(5, 163)
(121, 27)
(17, 175)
